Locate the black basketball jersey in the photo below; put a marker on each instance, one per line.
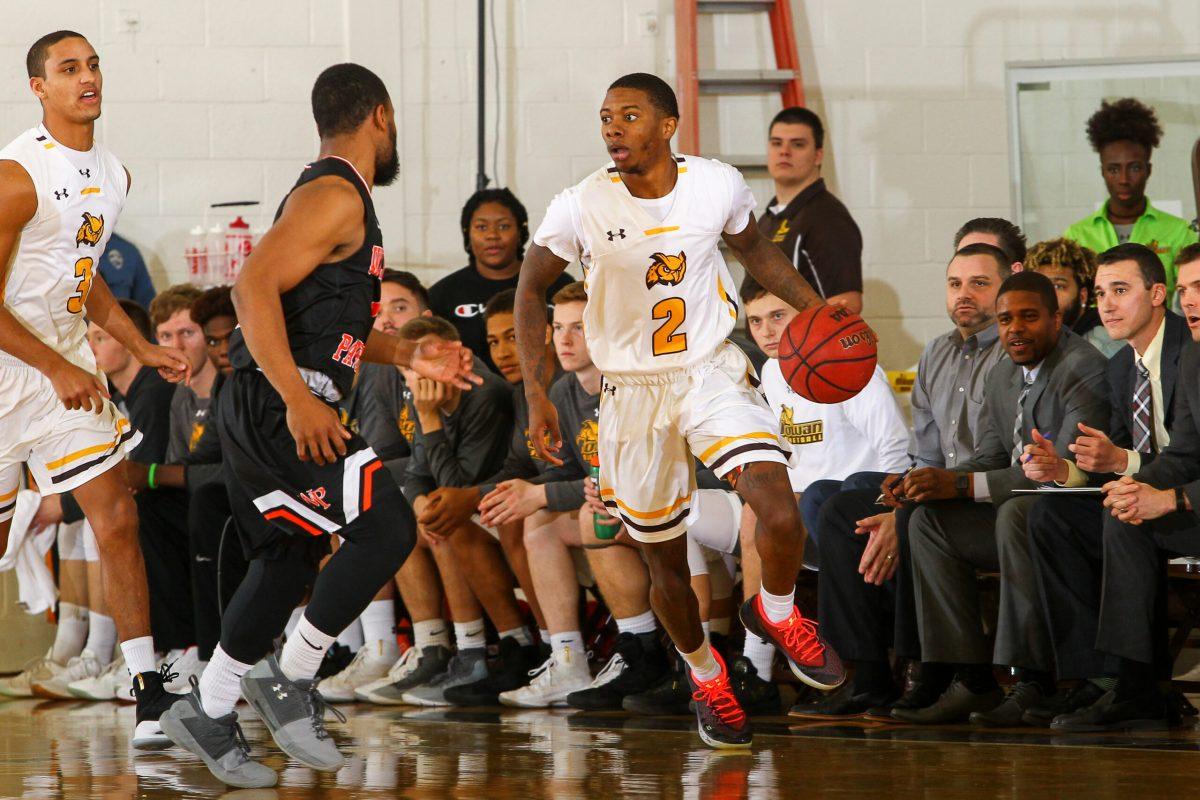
(329, 314)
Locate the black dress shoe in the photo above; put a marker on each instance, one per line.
(1081, 696)
(1010, 713)
(921, 695)
(1147, 712)
(955, 705)
(845, 704)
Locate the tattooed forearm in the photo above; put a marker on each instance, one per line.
(539, 270)
(767, 264)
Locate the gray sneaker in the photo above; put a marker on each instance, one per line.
(219, 742)
(294, 713)
(412, 670)
(467, 666)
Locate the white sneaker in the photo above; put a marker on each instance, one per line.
(105, 686)
(84, 665)
(181, 666)
(404, 666)
(564, 672)
(37, 670)
(368, 666)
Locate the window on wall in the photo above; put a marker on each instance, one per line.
(1054, 173)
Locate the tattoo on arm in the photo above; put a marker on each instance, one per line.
(539, 270)
(767, 264)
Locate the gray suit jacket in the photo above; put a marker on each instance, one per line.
(1071, 387)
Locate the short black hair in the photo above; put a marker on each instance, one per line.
(751, 290)
(1027, 281)
(1003, 262)
(138, 316)
(504, 302)
(1012, 240)
(39, 51)
(661, 95)
(1188, 254)
(410, 282)
(343, 96)
(504, 197)
(216, 302)
(799, 115)
(1127, 119)
(1148, 262)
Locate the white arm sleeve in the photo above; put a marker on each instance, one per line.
(558, 231)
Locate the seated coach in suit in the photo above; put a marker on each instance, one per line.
(1065, 530)
(1052, 382)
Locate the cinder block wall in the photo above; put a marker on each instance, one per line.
(207, 100)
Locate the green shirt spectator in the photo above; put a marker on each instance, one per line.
(1165, 234)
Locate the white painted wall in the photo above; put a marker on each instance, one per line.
(208, 100)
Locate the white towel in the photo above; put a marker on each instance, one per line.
(27, 554)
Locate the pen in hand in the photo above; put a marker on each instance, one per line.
(903, 475)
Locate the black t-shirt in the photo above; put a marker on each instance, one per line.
(460, 297)
(819, 236)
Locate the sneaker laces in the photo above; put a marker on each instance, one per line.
(166, 673)
(542, 674)
(612, 670)
(717, 694)
(800, 637)
(316, 707)
(404, 665)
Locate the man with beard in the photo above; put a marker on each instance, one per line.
(1072, 270)
(306, 299)
(1053, 382)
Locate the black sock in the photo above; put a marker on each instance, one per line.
(1135, 679)
(979, 678)
(1043, 680)
(934, 675)
(872, 676)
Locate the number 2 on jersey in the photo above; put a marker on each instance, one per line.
(666, 340)
(83, 271)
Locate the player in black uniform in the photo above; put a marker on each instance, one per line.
(306, 299)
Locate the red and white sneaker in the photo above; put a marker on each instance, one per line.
(720, 719)
(810, 657)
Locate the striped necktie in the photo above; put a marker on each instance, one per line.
(1018, 423)
(1143, 418)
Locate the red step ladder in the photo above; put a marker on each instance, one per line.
(691, 81)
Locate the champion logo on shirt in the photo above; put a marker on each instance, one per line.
(468, 310)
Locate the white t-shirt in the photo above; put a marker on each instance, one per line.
(660, 296)
(866, 433)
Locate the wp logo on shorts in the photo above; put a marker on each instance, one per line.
(315, 498)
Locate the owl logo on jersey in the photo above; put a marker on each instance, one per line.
(666, 270)
(406, 424)
(588, 441)
(90, 231)
(194, 437)
(800, 432)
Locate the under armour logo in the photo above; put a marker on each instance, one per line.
(60, 195)
(279, 694)
(620, 234)
(87, 173)
(610, 390)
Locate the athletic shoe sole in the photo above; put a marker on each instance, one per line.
(719, 745)
(149, 735)
(180, 735)
(424, 703)
(84, 695)
(291, 751)
(756, 626)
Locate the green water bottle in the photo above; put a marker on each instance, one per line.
(601, 523)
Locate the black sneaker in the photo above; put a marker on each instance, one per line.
(514, 663)
(1149, 712)
(336, 659)
(638, 664)
(1082, 696)
(845, 704)
(757, 696)
(152, 701)
(671, 695)
(720, 720)
(219, 742)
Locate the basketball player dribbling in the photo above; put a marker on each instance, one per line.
(660, 304)
(60, 195)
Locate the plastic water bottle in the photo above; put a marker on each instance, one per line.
(599, 526)
(237, 247)
(196, 255)
(214, 246)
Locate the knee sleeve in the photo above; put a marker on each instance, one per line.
(262, 604)
(70, 542)
(697, 564)
(715, 519)
(91, 548)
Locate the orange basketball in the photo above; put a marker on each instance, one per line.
(827, 354)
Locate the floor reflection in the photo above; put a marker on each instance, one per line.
(52, 750)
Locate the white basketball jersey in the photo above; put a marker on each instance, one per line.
(660, 296)
(80, 196)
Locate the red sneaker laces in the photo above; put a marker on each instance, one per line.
(718, 695)
(800, 636)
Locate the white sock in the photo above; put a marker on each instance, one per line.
(102, 636)
(707, 628)
(719, 625)
(642, 623)
(352, 637)
(221, 683)
(302, 653)
(760, 653)
(293, 620)
(72, 632)
(544, 635)
(521, 634)
(378, 625)
(469, 635)
(430, 632)
(139, 655)
(568, 640)
(777, 607)
(704, 666)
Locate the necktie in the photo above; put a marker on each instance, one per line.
(1018, 423)
(1143, 419)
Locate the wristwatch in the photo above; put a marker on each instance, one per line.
(962, 484)
(1180, 499)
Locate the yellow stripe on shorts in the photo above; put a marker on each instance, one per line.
(87, 451)
(731, 439)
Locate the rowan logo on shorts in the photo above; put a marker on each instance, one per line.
(800, 432)
(315, 498)
(349, 351)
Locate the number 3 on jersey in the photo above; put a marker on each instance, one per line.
(666, 340)
(83, 271)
